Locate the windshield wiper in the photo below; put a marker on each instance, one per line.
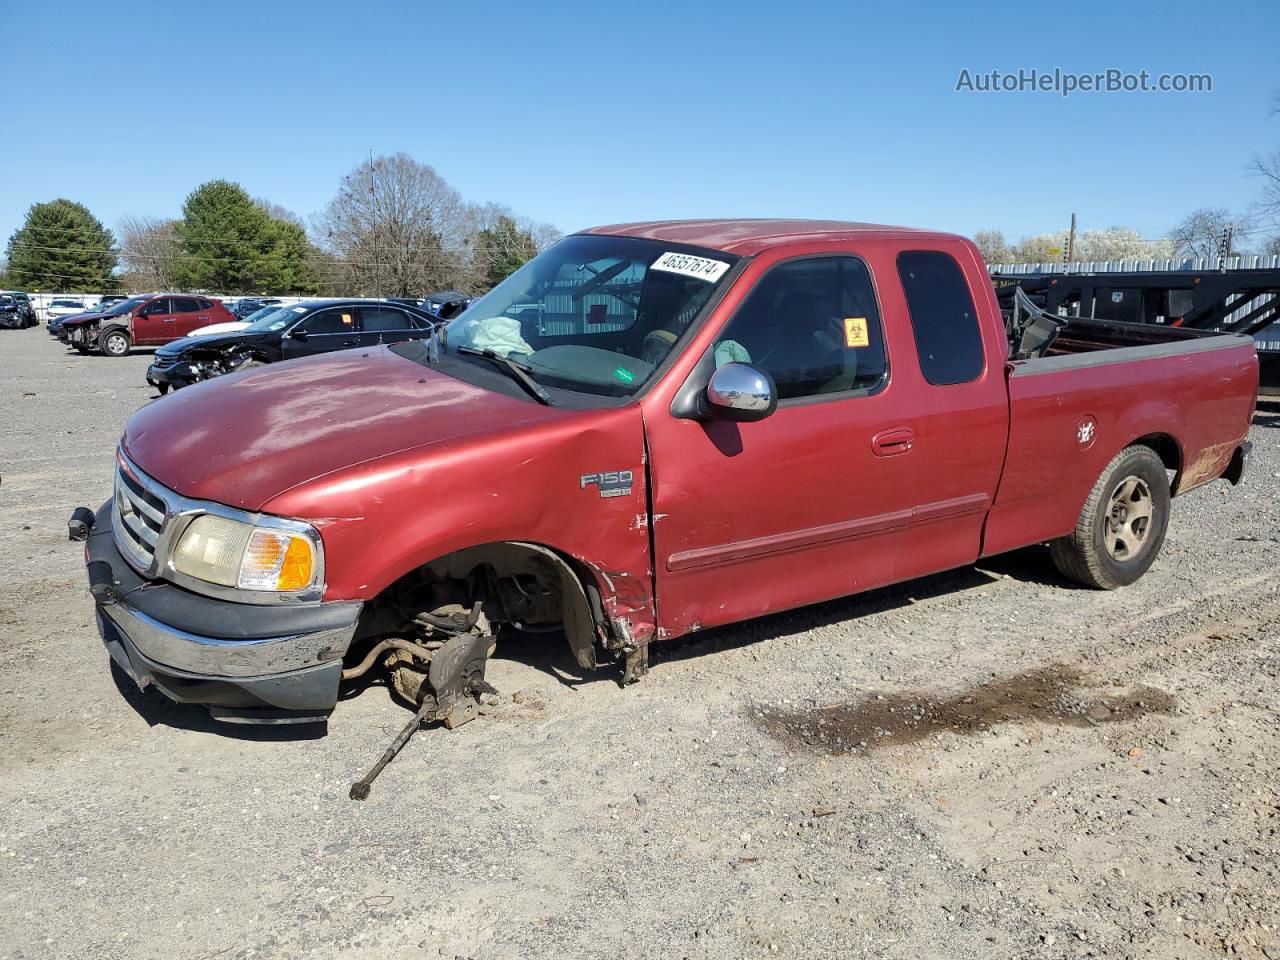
(518, 373)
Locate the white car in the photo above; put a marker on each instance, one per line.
(64, 307)
(234, 326)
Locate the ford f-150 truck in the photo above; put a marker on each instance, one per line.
(648, 430)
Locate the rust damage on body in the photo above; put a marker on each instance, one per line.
(1209, 465)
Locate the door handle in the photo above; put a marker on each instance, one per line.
(349, 343)
(170, 319)
(894, 441)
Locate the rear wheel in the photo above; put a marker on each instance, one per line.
(1122, 525)
(114, 343)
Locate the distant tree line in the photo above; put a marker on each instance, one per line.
(394, 228)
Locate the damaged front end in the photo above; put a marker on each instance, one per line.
(176, 370)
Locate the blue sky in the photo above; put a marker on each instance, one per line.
(581, 114)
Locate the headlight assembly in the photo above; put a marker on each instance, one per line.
(245, 556)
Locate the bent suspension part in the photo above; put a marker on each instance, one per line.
(360, 789)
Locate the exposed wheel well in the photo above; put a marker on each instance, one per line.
(1167, 449)
(516, 583)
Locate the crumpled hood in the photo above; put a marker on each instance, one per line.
(244, 438)
(75, 319)
(212, 341)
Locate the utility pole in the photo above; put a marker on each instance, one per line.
(373, 202)
(1068, 255)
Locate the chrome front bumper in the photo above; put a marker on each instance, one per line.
(268, 664)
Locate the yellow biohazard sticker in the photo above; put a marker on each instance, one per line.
(855, 332)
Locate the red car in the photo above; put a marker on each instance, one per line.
(648, 430)
(148, 321)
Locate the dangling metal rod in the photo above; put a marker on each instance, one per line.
(360, 789)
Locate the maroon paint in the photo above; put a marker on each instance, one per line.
(399, 464)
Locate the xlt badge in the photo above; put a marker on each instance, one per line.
(613, 483)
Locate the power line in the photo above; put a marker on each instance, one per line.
(129, 255)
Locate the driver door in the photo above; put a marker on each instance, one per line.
(812, 502)
(153, 322)
(325, 331)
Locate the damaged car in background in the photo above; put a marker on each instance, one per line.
(648, 430)
(283, 333)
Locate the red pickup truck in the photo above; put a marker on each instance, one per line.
(648, 430)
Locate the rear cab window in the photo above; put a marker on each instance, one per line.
(944, 320)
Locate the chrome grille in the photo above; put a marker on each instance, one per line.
(163, 363)
(140, 517)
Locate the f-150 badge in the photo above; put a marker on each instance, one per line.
(613, 483)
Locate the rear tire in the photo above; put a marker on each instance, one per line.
(1122, 525)
(115, 343)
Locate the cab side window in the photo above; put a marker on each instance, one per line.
(331, 321)
(943, 318)
(186, 305)
(156, 307)
(813, 325)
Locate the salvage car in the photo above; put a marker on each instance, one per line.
(648, 430)
(286, 332)
(11, 314)
(446, 304)
(25, 311)
(149, 321)
(102, 308)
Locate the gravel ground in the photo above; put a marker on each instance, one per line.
(1047, 771)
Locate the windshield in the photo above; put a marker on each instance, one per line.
(270, 319)
(260, 314)
(595, 314)
(125, 306)
(66, 303)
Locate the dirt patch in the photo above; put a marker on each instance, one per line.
(1059, 695)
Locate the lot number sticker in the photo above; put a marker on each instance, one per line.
(701, 268)
(855, 332)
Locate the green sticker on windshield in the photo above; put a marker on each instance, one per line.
(625, 375)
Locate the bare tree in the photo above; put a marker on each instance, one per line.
(148, 247)
(1043, 248)
(993, 247)
(399, 228)
(1201, 232)
(1267, 170)
(277, 212)
(1120, 243)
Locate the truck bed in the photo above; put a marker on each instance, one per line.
(1105, 385)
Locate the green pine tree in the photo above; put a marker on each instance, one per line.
(502, 249)
(229, 244)
(62, 247)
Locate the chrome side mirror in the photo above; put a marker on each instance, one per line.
(740, 392)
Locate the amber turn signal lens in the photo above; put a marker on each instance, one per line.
(295, 571)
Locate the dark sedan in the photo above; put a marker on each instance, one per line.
(289, 331)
